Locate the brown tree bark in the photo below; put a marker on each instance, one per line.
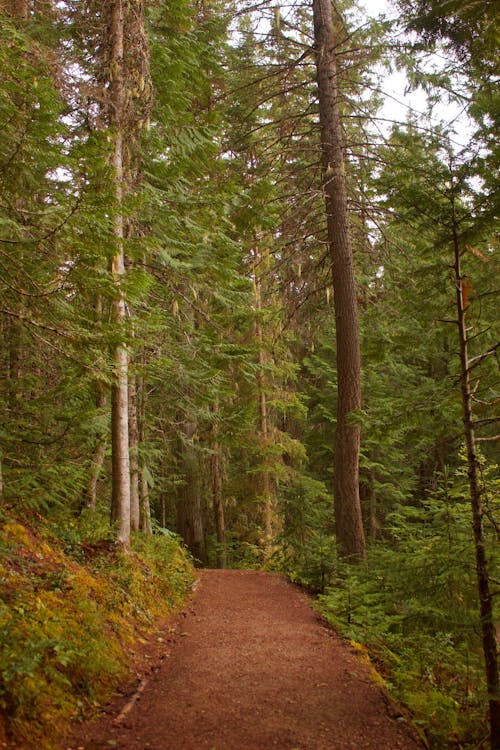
(144, 509)
(189, 495)
(489, 640)
(268, 499)
(219, 519)
(348, 519)
(134, 453)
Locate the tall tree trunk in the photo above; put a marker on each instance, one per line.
(483, 580)
(120, 512)
(348, 519)
(220, 524)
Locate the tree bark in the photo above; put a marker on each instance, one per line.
(120, 505)
(483, 581)
(144, 505)
(99, 453)
(220, 524)
(266, 483)
(189, 503)
(134, 453)
(348, 519)
(144, 509)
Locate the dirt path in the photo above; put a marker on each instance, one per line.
(250, 667)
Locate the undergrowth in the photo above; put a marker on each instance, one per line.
(414, 607)
(71, 603)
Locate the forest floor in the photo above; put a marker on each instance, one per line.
(248, 665)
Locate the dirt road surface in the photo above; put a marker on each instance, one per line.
(249, 666)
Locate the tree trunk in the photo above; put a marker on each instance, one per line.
(134, 453)
(348, 519)
(189, 503)
(144, 510)
(120, 506)
(163, 509)
(144, 505)
(220, 524)
(483, 580)
(266, 484)
(99, 453)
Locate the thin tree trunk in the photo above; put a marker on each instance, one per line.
(220, 524)
(95, 473)
(100, 449)
(348, 519)
(267, 494)
(120, 513)
(144, 504)
(145, 507)
(483, 580)
(15, 396)
(189, 503)
(99, 453)
(134, 453)
(163, 508)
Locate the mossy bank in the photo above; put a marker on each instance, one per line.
(71, 605)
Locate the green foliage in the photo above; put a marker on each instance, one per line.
(306, 548)
(66, 622)
(228, 296)
(415, 607)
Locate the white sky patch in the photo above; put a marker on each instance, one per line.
(399, 101)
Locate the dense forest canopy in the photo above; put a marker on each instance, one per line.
(238, 304)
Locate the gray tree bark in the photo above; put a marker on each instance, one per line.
(120, 505)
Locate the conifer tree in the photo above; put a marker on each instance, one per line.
(349, 524)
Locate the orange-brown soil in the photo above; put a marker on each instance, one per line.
(249, 666)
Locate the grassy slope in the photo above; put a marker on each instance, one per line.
(69, 607)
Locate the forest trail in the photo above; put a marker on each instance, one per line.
(249, 666)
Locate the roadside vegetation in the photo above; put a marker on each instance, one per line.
(72, 606)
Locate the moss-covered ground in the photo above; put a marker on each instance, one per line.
(71, 605)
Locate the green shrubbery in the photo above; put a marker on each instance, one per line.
(70, 603)
(414, 603)
(415, 607)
